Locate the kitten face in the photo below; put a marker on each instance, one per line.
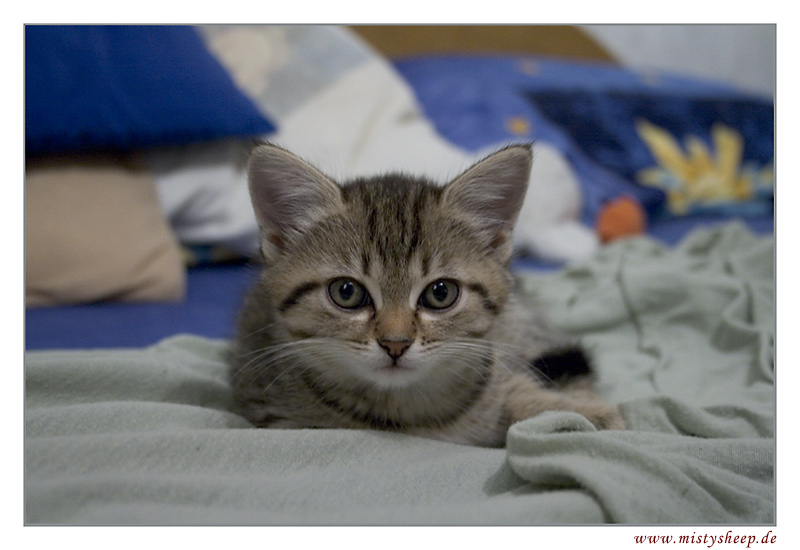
(391, 311)
(390, 282)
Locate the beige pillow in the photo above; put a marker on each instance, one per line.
(94, 230)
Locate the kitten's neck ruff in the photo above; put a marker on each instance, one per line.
(405, 407)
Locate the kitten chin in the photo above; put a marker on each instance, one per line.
(370, 365)
(386, 303)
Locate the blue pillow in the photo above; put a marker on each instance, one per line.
(125, 87)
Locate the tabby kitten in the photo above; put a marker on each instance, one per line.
(386, 303)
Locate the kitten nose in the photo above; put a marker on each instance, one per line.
(395, 348)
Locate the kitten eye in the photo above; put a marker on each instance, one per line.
(440, 294)
(348, 294)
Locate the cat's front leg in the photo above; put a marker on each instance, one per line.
(526, 398)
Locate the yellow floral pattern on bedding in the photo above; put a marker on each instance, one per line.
(696, 175)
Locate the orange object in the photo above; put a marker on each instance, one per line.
(621, 217)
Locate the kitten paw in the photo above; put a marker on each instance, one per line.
(606, 417)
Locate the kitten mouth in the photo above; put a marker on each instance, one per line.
(395, 369)
(395, 366)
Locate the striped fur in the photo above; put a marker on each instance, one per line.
(386, 303)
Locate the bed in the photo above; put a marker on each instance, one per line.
(649, 234)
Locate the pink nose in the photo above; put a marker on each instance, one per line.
(395, 348)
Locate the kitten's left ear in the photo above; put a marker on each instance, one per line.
(491, 192)
(288, 196)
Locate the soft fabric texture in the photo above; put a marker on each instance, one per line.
(344, 108)
(706, 154)
(668, 141)
(94, 231)
(124, 87)
(683, 340)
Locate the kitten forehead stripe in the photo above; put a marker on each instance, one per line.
(416, 228)
(393, 207)
(296, 294)
(426, 263)
(365, 262)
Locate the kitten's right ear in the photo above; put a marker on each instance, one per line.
(491, 192)
(288, 195)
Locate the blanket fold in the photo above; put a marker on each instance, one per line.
(643, 477)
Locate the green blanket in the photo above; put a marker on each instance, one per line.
(683, 339)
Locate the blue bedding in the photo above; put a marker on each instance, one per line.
(596, 116)
(89, 87)
(213, 295)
